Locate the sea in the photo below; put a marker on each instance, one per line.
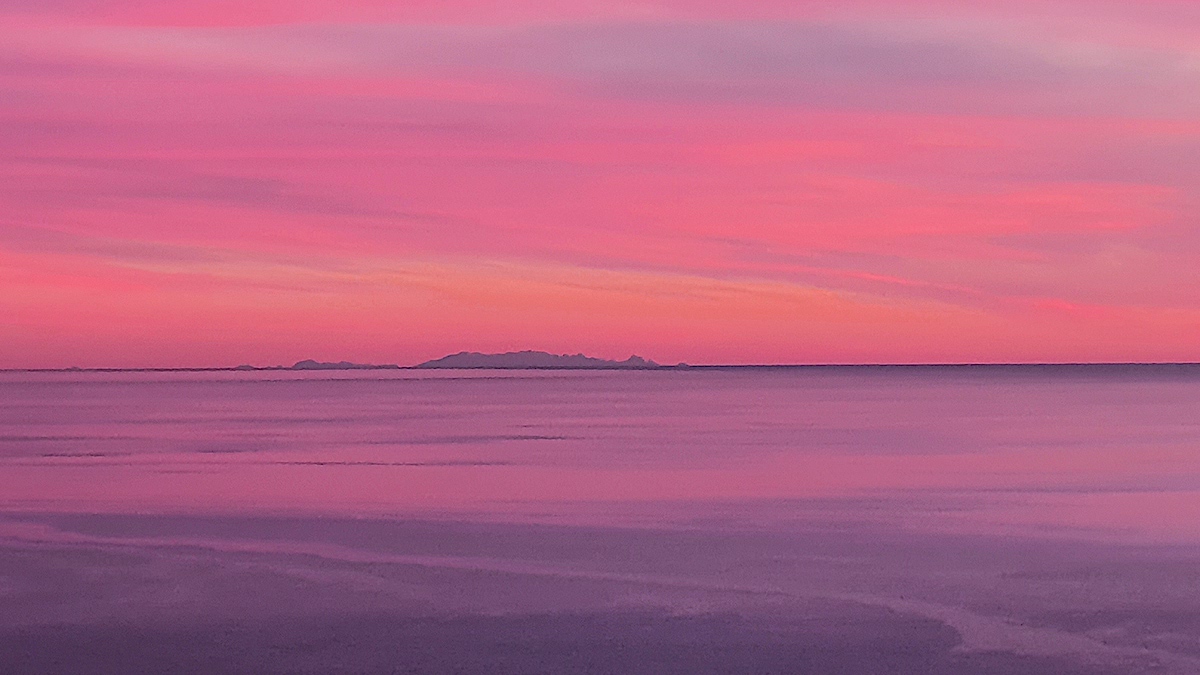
(887, 519)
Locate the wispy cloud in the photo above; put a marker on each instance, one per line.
(991, 167)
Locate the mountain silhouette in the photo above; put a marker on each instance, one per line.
(536, 360)
(309, 364)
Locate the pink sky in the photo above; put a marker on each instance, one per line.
(214, 182)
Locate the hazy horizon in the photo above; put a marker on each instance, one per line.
(402, 366)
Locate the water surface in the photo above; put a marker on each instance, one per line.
(911, 520)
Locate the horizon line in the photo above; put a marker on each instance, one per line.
(680, 366)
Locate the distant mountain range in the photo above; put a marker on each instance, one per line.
(508, 361)
(537, 360)
(309, 364)
(543, 360)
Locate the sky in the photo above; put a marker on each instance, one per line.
(216, 182)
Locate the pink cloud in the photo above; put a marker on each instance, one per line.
(692, 181)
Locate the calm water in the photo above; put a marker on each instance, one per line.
(818, 520)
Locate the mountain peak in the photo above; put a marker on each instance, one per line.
(530, 359)
(310, 364)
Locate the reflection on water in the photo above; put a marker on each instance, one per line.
(1077, 452)
(993, 520)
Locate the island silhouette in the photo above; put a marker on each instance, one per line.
(309, 364)
(535, 360)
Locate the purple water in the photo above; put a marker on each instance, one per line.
(921, 520)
